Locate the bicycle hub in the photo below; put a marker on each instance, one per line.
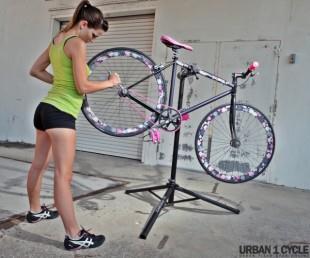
(122, 92)
(235, 143)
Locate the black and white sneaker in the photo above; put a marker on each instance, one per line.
(45, 213)
(85, 240)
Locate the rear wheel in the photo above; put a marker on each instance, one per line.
(249, 158)
(110, 110)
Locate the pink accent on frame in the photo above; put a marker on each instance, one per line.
(185, 117)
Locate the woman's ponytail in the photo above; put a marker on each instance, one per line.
(85, 11)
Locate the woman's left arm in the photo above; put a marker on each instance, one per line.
(38, 70)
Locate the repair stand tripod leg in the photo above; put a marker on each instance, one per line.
(171, 188)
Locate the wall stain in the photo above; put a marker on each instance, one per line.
(161, 156)
(187, 134)
(215, 187)
(185, 157)
(189, 96)
(186, 147)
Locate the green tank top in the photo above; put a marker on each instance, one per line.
(63, 94)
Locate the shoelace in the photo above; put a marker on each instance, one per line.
(44, 208)
(84, 231)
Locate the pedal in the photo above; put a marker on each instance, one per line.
(155, 135)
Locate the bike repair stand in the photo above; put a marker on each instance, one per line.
(172, 186)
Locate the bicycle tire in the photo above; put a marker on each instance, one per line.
(226, 163)
(116, 115)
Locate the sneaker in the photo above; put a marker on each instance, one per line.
(85, 240)
(45, 213)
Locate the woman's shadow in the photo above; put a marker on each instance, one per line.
(36, 238)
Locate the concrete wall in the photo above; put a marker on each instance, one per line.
(291, 164)
(212, 27)
(25, 33)
(204, 22)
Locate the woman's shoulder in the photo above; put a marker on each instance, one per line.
(74, 46)
(74, 42)
(63, 37)
(58, 38)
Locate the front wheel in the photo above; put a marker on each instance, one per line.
(229, 162)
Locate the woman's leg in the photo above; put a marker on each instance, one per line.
(63, 144)
(40, 161)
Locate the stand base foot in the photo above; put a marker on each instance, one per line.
(167, 200)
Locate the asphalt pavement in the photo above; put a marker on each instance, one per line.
(270, 215)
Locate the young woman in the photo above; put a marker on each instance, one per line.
(55, 117)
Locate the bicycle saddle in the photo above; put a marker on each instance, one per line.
(172, 43)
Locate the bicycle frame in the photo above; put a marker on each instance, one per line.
(187, 71)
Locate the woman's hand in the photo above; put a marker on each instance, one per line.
(114, 79)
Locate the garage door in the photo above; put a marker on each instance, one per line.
(130, 31)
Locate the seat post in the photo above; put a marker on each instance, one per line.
(173, 76)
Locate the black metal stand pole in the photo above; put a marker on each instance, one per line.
(171, 186)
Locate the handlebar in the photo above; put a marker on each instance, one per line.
(252, 67)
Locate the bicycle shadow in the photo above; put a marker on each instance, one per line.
(159, 177)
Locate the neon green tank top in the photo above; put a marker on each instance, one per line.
(63, 95)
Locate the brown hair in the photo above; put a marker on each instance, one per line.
(91, 14)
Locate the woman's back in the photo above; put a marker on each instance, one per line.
(63, 94)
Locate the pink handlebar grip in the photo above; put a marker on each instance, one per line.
(253, 66)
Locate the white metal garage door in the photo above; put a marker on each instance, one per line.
(130, 31)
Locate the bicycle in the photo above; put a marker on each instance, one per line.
(234, 142)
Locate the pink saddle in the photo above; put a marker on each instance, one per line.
(172, 43)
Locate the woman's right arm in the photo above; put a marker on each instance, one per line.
(38, 69)
(76, 50)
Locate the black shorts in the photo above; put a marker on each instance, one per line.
(47, 116)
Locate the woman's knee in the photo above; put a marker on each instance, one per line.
(38, 167)
(63, 175)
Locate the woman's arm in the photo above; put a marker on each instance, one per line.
(38, 68)
(76, 50)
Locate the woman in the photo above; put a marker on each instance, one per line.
(55, 117)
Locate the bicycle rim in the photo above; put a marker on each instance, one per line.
(227, 163)
(117, 115)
